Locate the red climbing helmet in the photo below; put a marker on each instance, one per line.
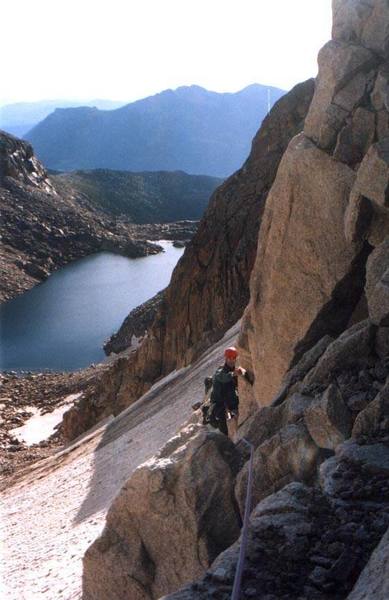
(231, 353)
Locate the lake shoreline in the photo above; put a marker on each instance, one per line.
(21, 273)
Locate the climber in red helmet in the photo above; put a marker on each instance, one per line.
(224, 401)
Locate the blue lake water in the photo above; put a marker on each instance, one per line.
(62, 323)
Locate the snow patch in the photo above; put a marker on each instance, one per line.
(39, 427)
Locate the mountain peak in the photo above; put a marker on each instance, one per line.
(188, 129)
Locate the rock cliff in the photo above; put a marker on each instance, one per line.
(209, 287)
(327, 208)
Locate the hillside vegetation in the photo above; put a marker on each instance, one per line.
(150, 197)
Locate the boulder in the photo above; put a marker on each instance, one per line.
(267, 421)
(377, 284)
(289, 455)
(357, 472)
(352, 348)
(374, 579)
(345, 74)
(328, 419)
(373, 421)
(379, 227)
(169, 522)
(364, 22)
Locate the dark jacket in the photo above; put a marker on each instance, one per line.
(225, 389)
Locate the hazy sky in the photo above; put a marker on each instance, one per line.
(128, 49)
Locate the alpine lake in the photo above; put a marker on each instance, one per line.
(62, 323)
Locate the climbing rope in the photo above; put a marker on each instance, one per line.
(244, 536)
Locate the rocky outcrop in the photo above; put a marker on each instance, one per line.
(327, 208)
(301, 544)
(363, 22)
(373, 421)
(209, 287)
(17, 161)
(169, 522)
(289, 455)
(304, 285)
(313, 538)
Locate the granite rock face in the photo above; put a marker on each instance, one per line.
(304, 285)
(220, 257)
(363, 22)
(327, 208)
(346, 72)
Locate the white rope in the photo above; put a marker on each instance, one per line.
(243, 543)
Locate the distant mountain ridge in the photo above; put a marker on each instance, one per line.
(20, 117)
(189, 129)
(148, 197)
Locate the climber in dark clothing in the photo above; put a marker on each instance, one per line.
(224, 401)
